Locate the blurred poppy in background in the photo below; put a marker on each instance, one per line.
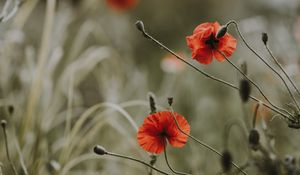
(122, 5)
(171, 64)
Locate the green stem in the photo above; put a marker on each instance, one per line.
(202, 143)
(166, 158)
(137, 160)
(263, 60)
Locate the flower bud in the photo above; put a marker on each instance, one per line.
(254, 139)
(99, 150)
(10, 109)
(245, 90)
(221, 32)
(153, 159)
(264, 38)
(3, 123)
(152, 103)
(170, 101)
(140, 26)
(226, 161)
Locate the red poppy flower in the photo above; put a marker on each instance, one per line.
(122, 4)
(160, 127)
(205, 45)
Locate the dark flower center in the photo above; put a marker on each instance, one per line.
(212, 41)
(163, 134)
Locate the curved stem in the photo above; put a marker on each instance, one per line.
(148, 36)
(228, 125)
(252, 82)
(137, 160)
(255, 115)
(281, 68)
(263, 60)
(166, 158)
(202, 143)
(7, 150)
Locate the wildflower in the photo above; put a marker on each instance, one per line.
(171, 64)
(160, 127)
(121, 4)
(205, 45)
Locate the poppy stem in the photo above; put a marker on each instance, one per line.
(137, 160)
(3, 125)
(148, 36)
(281, 68)
(255, 84)
(255, 114)
(175, 172)
(202, 143)
(263, 60)
(228, 125)
(101, 151)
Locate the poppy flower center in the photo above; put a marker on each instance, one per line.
(212, 41)
(163, 134)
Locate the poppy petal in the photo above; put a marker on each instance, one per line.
(176, 137)
(159, 127)
(203, 56)
(205, 46)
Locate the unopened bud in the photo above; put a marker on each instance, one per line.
(3, 123)
(170, 101)
(226, 161)
(10, 109)
(153, 159)
(99, 150)
(152, 103)
(254, 139)
(245, 90)
(221, 32)
(264, 38)
(140, 26)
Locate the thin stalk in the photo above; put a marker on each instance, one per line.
(252, 82)
(281, 68)
(137, 160)
(3, 124)
(262, 59)
(202, 143)
(175, 172)
(255, 115)
(146, 35)
(228, 125)
(30, 117)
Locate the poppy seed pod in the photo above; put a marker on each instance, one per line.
(264, 38)
(245, 90)
(226, 161)
(99, 150)
(254, 139)
(221, 32)
(140, 26)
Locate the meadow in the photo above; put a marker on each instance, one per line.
(116, 87)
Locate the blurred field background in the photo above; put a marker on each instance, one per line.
(78, 73)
